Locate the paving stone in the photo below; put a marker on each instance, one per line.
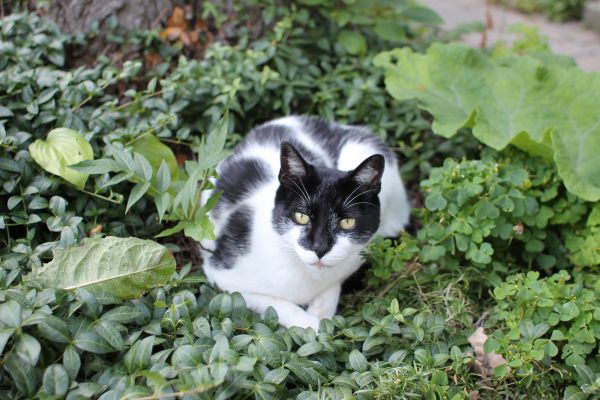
(572, 39)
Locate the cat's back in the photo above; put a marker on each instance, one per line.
(255, 161)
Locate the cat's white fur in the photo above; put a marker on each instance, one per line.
(282, 274)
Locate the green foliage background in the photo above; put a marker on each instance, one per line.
(500, 242)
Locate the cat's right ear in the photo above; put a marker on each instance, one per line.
(293, 166)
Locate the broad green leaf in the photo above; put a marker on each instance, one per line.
(56, 380)
(547, 110)
(358, 361)
(62, 148)
(421, 14)
(124, 267)
(309, 348)
(92, 342)
(138, 356)
(187, 356)
(28, 348)
(54, 329)
(10, 314)
(110, 333)
(156, 152)
(353, 42)
(22, 373)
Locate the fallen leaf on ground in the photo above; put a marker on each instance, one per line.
(484, 363)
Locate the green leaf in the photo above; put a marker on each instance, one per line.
(110, 333)
(157, 153)
(200, 229)
(309, 348)
(353, 42)
(56, 380)
(100, 166)
(91, 342)
(163, 177)
(22, 373)
(62, 148)
(5, 334)
(246, 364)
(124, 267)
(500, 100)
(5, 112)
(136, 194)
(435, 202)
(276, 376)
(28, 349)
(10, 314)
(138, 356)
(358, 361)
(71, 361)
(54, 329)
(421, 14)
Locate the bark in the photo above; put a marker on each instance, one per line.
(75, 16)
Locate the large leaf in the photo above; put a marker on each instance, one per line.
(124, 267)
(547, 110)
(61, 148)
(156, 152)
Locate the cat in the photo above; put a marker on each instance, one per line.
(301, 199)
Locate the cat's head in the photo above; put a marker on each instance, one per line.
(323, 214)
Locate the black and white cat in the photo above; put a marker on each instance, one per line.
(301, 199)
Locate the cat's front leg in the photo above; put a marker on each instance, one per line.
(325, 303)
(289, 313)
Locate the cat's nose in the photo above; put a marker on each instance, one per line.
(320, 251)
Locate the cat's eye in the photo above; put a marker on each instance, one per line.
(301, 218)
(347, 223)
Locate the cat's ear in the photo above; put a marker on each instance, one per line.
(370, 171)
(293, 166)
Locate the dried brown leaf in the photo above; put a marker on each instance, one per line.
(484, 363)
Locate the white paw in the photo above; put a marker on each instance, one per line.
(305, 320)
(320, 311)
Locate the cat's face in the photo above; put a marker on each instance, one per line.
(325, 215)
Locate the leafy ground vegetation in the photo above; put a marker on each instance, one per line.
(555, 10)
(103, 168)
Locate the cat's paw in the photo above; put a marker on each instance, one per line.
(305, 320)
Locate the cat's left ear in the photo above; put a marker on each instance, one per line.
(293, 166)
(370, 171)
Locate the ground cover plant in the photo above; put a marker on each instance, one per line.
(102, 293)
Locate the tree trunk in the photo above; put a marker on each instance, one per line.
(74, 16)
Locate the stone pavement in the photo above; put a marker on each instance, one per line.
(571, 38)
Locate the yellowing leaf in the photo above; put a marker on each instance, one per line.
(62, 148)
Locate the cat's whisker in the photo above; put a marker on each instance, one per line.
(360, 194)
(360, 202)
(351, 193)
(297, 194)
(304, 195)
(303, 187)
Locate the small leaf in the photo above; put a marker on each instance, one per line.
(10, 314)
(353, 42)
(358, 361)
(163, 177)
(276, 376)
(56, 380)
(28, 348)
(71, 361)
(309, 348)
(62, 148)
(136, 193)
(138, 356)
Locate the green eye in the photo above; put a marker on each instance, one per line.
(347, 223)
(300, 218)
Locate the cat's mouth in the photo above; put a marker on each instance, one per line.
(320, 264)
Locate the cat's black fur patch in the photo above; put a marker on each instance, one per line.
(234, 241)
(238, 178)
